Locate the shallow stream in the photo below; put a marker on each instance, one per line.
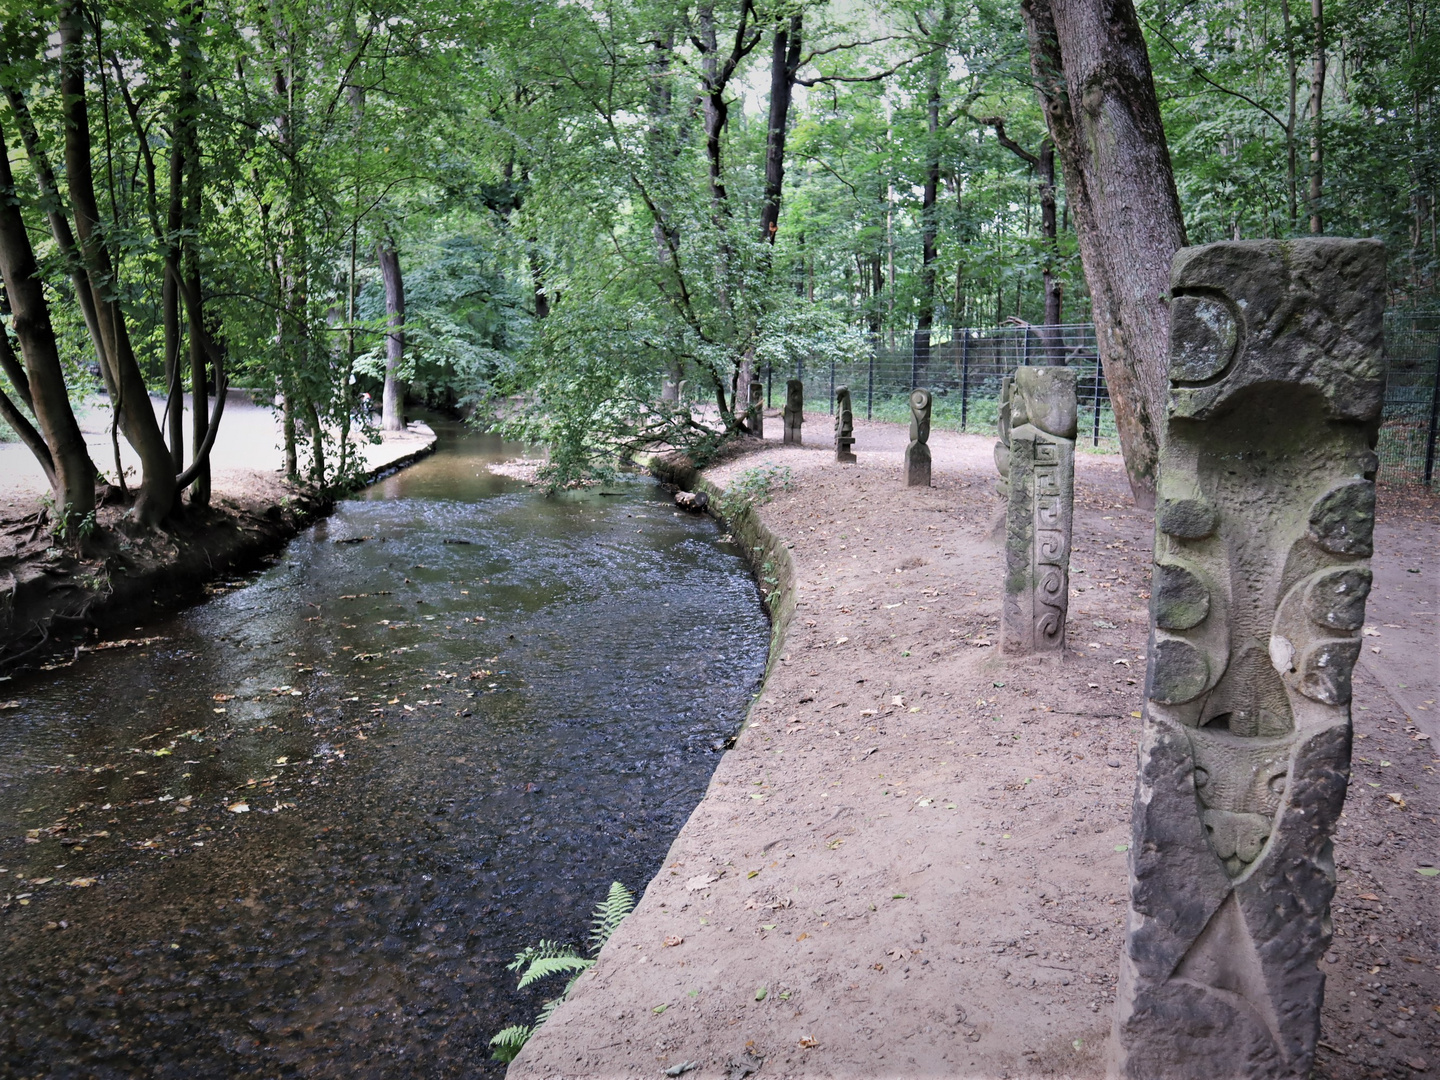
(301, 831)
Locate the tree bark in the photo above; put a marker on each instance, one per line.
(784, 63)
(393, 414)
(1093, 74)
(200, 419)
(1317, 102)
(71, 472)
(1292, 112)
(156, 497)
(15, 417)
(929, 199)
(60, 229)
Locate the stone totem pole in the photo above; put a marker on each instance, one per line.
(1263, 532)
(755, 410)
(844, 426)
(1039, 484)
(917, 454)
(794, 411)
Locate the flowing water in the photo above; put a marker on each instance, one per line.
(301, 833)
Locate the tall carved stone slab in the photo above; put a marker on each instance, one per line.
(755, 411)
(844, 426)
(794, 410)
(917, 452)
(1041, 418)
(1263, 536)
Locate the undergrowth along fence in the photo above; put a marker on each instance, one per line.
(963, 371)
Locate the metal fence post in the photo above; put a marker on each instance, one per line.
(1434, 421)
(832, 386)
(870, 389)
(769, 380)
(964, 379)
(1096, 431)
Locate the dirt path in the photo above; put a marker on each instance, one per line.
(912, 863)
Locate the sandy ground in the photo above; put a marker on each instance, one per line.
(912, 863)
(249, 443)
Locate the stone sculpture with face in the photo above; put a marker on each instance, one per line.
(1264, 518)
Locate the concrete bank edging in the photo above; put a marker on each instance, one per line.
(769, 559)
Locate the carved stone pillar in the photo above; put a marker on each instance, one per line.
(755, 411)
(1040, 505)
(844, 426)
(794, 410)
(917, 453)
(1262, 539)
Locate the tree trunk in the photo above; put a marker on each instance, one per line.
(1093, 74)
(13, 415)
(1292, 73)
(929, 199)
(60, 229)
(156, 497)
(71, 472)
(1317, 101)
(1049, 227)
(393, 414)
(784, 62)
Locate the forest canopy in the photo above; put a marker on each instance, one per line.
(554, 212)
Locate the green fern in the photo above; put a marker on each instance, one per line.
(536, 962)
(553, 965)
(510, 1041)
(619, 903)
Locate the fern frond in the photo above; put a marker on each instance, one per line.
(509, 1042)
(543, 951)
(609, 913)
(552, 965)
(548, 1009)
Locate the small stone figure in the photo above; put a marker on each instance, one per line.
(755, 412)
(1040, 417)
(1266, 508)
(794, 411)
(844, 426)
(917, 454)
(1002, 448)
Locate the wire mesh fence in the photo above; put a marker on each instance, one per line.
(1412, 398)
(963, 371)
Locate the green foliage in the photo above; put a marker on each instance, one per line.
(756, 486)
(548, 958)
(618, 903)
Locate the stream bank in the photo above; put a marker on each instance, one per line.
(299, 829)
(913, 861)
(54, 601)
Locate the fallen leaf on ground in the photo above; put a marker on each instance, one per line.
(700, 881)
(807, 1042)
(82, 882)
(239, 808)
(672, 940)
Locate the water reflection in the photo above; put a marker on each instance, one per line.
(325, 808)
